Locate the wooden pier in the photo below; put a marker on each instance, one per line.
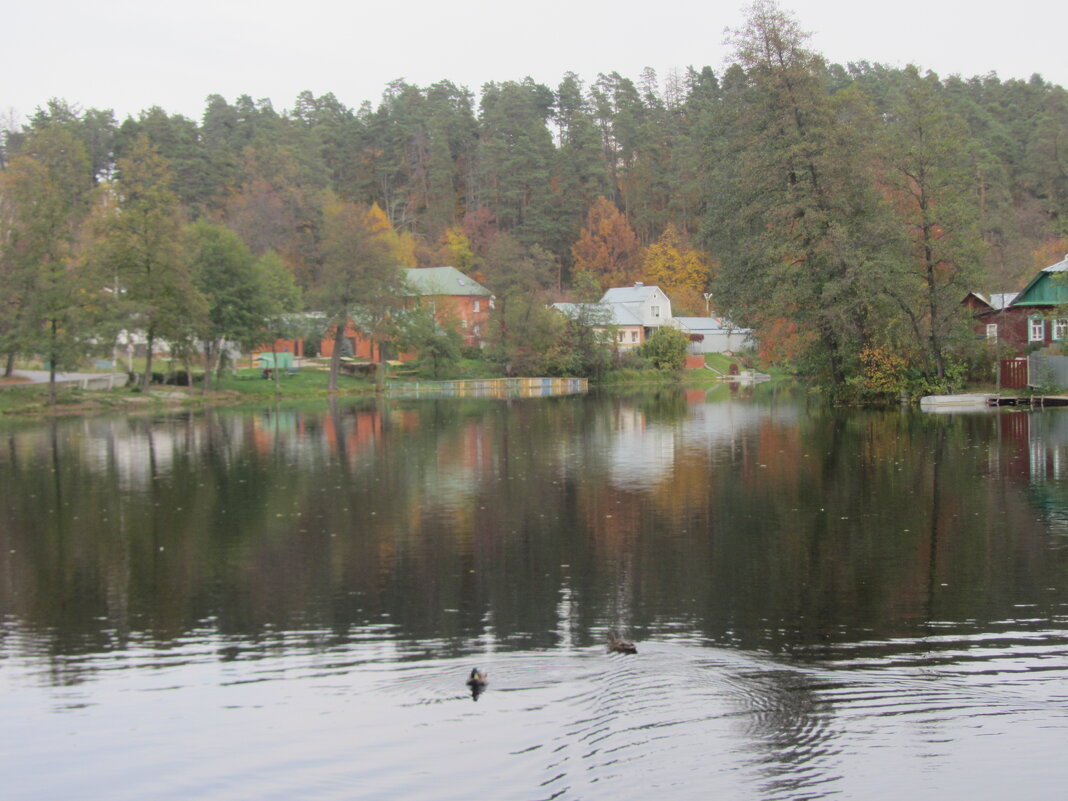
(960, 403)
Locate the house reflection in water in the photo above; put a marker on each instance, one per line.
(1035, 449)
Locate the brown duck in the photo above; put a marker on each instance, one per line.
(619, 646)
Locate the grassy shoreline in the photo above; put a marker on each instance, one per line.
(247, 385)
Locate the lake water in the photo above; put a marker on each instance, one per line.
(286, 604)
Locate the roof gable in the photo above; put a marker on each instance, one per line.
(631, 294)
(1044, 290)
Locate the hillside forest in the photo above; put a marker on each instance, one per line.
(841, 211)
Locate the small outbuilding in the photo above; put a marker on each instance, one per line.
(713, 334)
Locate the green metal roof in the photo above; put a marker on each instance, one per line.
(1048, 288)
(443, 281)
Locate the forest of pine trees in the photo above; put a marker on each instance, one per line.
(835, 209)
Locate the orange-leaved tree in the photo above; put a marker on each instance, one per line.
(607, 247)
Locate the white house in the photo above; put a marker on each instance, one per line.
(637, 311)
(647, 303)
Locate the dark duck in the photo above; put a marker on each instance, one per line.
(477, 682)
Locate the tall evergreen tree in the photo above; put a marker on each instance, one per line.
(794, 218)
(515, 159)
(928, 176)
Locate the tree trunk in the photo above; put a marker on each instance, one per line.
(932, 294)
(52, 368)
(146, 379)
(9, 368)
(335, 357)
(277, 376)
(380, 369)
(209, 350)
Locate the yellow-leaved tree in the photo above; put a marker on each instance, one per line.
(457, 247)
(680, 270)
(402, 246)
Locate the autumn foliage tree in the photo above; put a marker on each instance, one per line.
(45, 190)
(359, 279)
(607, 247)
(677, 268)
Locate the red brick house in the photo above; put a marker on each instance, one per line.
(454, 297)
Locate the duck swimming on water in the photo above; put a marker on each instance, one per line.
(477, 681)
(619, 646)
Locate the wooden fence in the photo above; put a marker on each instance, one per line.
(1013, 374)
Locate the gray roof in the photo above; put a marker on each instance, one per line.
(617, 315)
(443, 281)
(1059, 267)
(697, 325)
(629, 294)
(999, 300)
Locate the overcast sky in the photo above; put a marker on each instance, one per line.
(128, 55)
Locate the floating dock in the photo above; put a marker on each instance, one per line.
(948, 403)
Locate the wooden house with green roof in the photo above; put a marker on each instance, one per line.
(1028, 319)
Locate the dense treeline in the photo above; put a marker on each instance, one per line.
(842, 211)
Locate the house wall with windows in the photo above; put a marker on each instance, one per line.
(648, 304)
(627, 330)
(455, 299)
(1028, 319)
(470, 314)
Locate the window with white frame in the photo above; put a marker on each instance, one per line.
(654, 310)
(477, 305)
(992, 332)
(1036, 330)
(1060, 328)
(633, 336)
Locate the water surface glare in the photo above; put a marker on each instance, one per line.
(286, 604)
